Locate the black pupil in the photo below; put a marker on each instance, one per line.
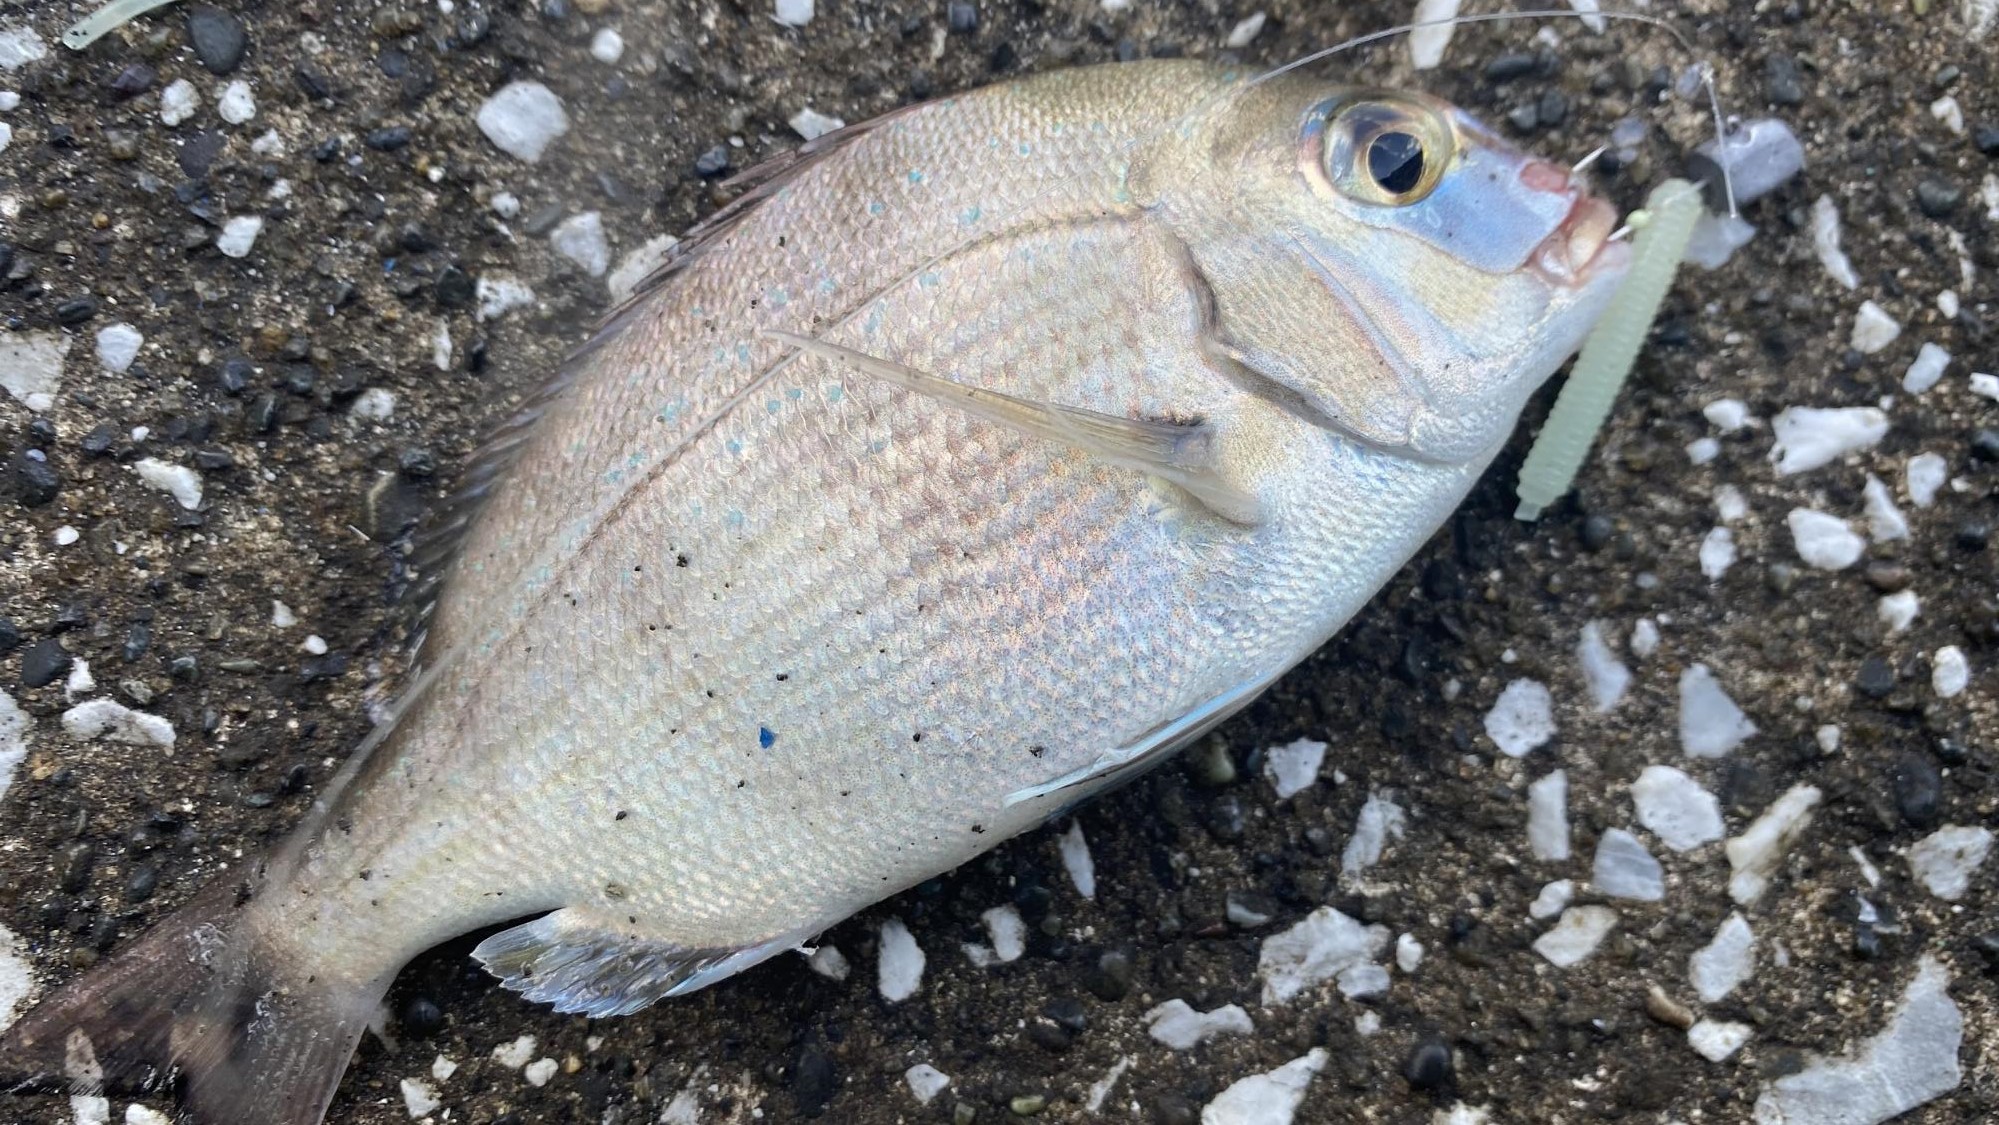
(1395, 160)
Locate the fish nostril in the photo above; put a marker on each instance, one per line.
(1540, 175)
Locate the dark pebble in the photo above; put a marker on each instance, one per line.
(1172, 1109)
(134, 80)
(1973, 535)
(1985, 445)
(262, 417)
(1876, 677)
(197, 154)
(1937, 198)
(417, 464)
(1986, 137)
(217, 37)
(1110, 978)
(1004, 57)
(100, 439)
(1598, 531)
(1886, 576)
(213, 460)
(1428, 1066)
(141, 883)
(36, 482)
(388, 139)
(137, 640)
(1987, 945)
(962, 17)
(186, 669)
(1507, 67)
(76, 310)
(1553, 108)
(422, 1017)
(1918, 789)
(473, 28)
(1044, 1033)
(455, 288)
(313, 83)
(235, 375)
(712, 163)
(1225, 818)
(393, 62)
(1782, 83)
(328, 667)
(1866, 942)
(10, 636)
(1068, 1014)
(1525, 117)
(74, 865)
(813, 1080)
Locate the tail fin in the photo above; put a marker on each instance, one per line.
(205, 1001)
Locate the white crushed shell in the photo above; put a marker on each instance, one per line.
(1873, 329)
(1702, 450)
(31, 366)
(581, 239)
(1951, 114)
(1727, 414)
(136, 1114)
(376, 404)
(1824, 541)
(1898, 610)
(420, 1098)
(925, 1082)
(505, 204)
(1716, 238)
(1462, 1114)
(638, 265)
(314, 644)
(540, 1071)
(1427, 44)
(239, 234)
(16, 982)
(1984, 385)
(1717, 553)
(607, 46)
(1548, 817)
(1950, 673)
(114, 722)
(1644, 638)
(118, 346)
(65, 535)
(236, 103)
(442, 1068)
(1076, 860)
(1552, 899)
(1008, 932)
(1380, 820)
(177, 481)
(522, 119)
(440, 345)
(1522, 718)
(499, 294)
(829, 962)
(899, 971)
(80, 682)
(1576, 935)
(1176, 1024)
(1325, 945)
(1676, 808)
(1604, 675)
(1408, 952)
(1809, 437)
(19, 46)
(89, 1109)
(1923, 477)
(1926, 370)
(1711, 724)
(1945, 860)
(1885, 520)
(811, 124)
(1100, 1090)
(15, 726)
(1716, 1040)
(1293, 767)
(178, 102)
(1912, 1061)
(793, 13)
(1755, 855)
(1948, 303)
(1245, 31)
(1271, 1098)
(1719, 967)
(516, 1054)
(1828, 737)
(1623, 868)
(1825, 241)
(1367, 1023)
(1729, 503)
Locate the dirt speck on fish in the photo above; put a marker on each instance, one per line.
(976, 459)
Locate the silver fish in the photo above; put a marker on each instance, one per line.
(978, 458)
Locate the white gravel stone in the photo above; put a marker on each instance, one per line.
(239, 234)
(1552, 899)
(1824, 541)
(1327, 944)
(1828, 737)
(420, 1098)
(1984, 385)
(1927, 370)
(314, 644)
(1380, 820)
(1408, 952)
(1522, 718)
(440, 345)
(1825, 240)
(811, 124)
(1950, 673)
(1644, 638)
(1702, 450)
(1266, 1099)
(1809, 437)
(177, 481)
(522, 119)
(178, 102)
(1923, 477)
(1727, 414)
(829, 962)
(516, 1054)
(89, 1109)
(1885, 520)
(1755, 855)
(15, 726)
(925, 1082)
(899, 972)
(1675, 808)
(1077, 861)
(1604, 675)
(607, 46)
(1944, 861)
(1548, 817)
(136, 1114)
(1462, 1114)
(1873, 329)
(376, 404)
(118, 346)
(1912, 1061)
(114, 722)
(1898, 610)
(236, 104)
(19, 46)
(540, 1071)
(442, 1068)
(1293, 768)
(1008, 932)
(1427, 44)
(1180, 1027)
(499, 294)
(1716, 1040)
(1719, 967)
(1623, 868)
(66, 535)
(580, 238)
(1717, 553)
(638, 265)
(1951, 114)
(1711, 725)
(794, 13)
(1572, 939)
(6, 136)
(81, 682)
(1948, 303)
(1100, 1090)
(1245, 31)
(505, 204)
(16, 982)
(31, 367)
(1716, 238)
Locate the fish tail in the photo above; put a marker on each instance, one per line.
(205, 1001)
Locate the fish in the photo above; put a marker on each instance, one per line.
(974, 460)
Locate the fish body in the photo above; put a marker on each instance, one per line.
(746, 637)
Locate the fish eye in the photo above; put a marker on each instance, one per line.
(1387, 151)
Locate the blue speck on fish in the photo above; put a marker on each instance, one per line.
(766, 737)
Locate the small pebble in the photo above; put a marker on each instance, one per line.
(218, 38)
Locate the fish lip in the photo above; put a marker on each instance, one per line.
(1579, 245)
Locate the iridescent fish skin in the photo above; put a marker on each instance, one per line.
(746, 639)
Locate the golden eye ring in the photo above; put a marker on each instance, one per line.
(1387, 151)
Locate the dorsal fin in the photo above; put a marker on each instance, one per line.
(436, 544)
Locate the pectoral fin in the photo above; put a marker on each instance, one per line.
(585, 963)
(1182, 455)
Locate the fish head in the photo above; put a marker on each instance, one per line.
(1399, 270)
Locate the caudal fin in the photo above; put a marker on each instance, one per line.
(201, 1002)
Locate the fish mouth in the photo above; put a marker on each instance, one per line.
(1580, 243)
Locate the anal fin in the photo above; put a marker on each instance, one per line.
(1182, 455)
(582, 964)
